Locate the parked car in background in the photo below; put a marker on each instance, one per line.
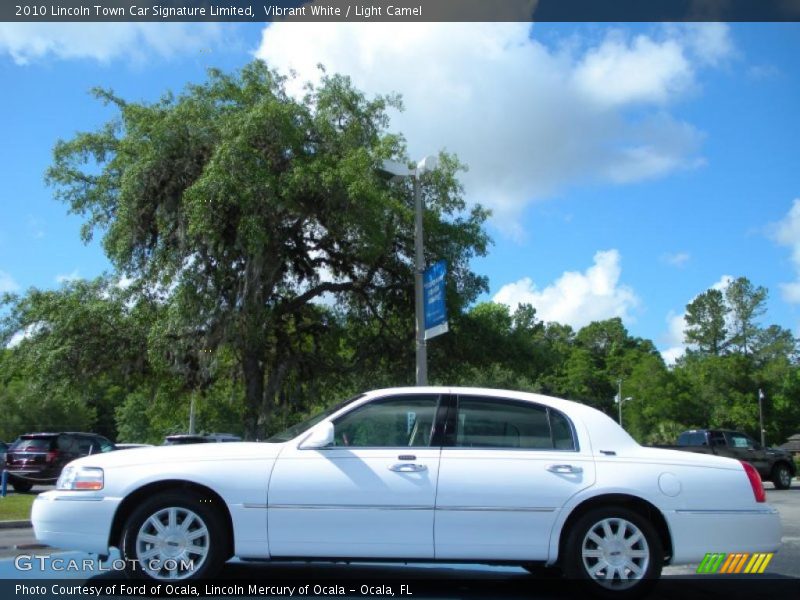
(3, 449)
(37, 458)
(223, 437)
(425, 474)
(179, 439)
(195, 438)
(129, 445)
(772, 464)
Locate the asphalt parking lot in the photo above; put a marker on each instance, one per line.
(781, 580)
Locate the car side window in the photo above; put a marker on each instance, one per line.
(101, 445)
(85, 446)
(494, 423)
(398, 421)
(68, 444)
(563, 438)
(737, 440)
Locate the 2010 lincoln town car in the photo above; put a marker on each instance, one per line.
(425, 474)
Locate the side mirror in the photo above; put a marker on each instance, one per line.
(320, 437)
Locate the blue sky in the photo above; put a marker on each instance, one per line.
(629, 167)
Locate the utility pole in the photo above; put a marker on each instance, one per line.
(419, 269)
(761, 415)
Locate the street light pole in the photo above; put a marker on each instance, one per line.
(419, 269)
(393, 168)
(761, 415)
(619, 399)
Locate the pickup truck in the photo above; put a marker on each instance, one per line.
(772, 464)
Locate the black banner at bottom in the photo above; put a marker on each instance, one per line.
(489, 588)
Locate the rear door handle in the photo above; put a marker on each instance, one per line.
(564, 469)
(408, 467)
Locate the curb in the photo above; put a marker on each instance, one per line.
(15, 525)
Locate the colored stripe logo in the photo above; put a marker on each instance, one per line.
(737, 562)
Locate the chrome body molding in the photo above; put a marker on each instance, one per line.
(78, 498)
(536, 509)
(756, 511)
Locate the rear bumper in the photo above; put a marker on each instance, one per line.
(74, 520)
(697, 533)
(32, 477)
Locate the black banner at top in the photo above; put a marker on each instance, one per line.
(401, 10)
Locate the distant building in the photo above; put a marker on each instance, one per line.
(792, 445)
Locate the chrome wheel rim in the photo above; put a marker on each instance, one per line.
(785, 477)
(615, 553)
(172, 543)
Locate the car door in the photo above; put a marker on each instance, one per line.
(745, 448)
(507, 468)
(371, 494)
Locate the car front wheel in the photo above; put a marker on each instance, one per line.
(170, 537)
(781, 477)
(614, 552)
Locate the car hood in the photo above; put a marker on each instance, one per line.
(181, 453)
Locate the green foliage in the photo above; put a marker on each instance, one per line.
(27, 408)
(705, 320)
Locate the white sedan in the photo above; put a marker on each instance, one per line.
(422, 474)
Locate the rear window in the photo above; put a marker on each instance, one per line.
(33, 445)
(692, 438)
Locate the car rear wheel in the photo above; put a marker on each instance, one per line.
(781, 476)
(21, 486)
(614, 552)
(170, 537)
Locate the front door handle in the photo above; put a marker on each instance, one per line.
(408, 467)
(564, 469)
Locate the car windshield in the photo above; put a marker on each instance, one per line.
(295, 430)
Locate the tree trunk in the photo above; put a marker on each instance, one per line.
(253, 371)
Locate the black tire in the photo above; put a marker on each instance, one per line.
(781, 476)
(21, 486)
(198, 551)
(593, 548)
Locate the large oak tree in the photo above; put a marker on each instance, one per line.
(243, 208)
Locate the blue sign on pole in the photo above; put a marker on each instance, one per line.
(435, 309)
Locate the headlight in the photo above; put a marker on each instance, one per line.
(80, 478)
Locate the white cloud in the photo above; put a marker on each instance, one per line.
(621, 72)
(678, 259)
(7, 283)
(676, 325)
(67, 277)
(27, 333)
(527, 118)
(787, 233)
(577, 298)
(103, 42)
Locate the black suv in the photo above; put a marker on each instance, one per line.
(37, 458)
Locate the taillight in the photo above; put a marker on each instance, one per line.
(755, 481)
(52, 456)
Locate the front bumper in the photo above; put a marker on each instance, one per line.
(74, 520)
(698, 532)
